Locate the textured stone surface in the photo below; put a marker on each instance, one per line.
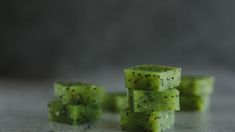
(24, 107)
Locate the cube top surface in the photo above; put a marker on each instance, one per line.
(152, 77)
(152, 68)
(69, 84)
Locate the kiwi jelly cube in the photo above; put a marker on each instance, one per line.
(57, 112)
(80, 114)
(144, 100)
(115, 102)
(194, 103)
(55, 108)
(152, 77)
(145, 121)
(78, 93)
(196, 85)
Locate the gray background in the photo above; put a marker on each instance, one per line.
(58, 38)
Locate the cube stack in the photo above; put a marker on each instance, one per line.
(75, 103)
(195, 92)
(152, 98)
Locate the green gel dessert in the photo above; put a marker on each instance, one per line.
(80, 114)
(78, 93)
(73, 114)
(152, 77)
(194, 103)
(115, 102)
(146, 121)
(196, 85)
(57, 112)
(143, 100)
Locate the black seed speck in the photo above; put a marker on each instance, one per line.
(67, 88)
(172, 78)
(133, 73)
(168, 79)
(129, 80)
(172, 96)
(135, 82)
(138, 105)
(127, 113)
(165, 97)
(139, 74)
(94, 88)
(152, 110)
(146, 76)
(73, 90)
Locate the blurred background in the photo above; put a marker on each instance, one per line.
(93, 41)
(90, 40)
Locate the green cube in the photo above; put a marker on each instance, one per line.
(146, 121)
(152, 77)
(73, 114)
(196, 85)
(115, 102)
(144, 100)
(57, 112)
(194, 103)
(78, 93)
(80, 114)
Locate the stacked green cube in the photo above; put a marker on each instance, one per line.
(195, 92)
(75, 103)
(152, 98)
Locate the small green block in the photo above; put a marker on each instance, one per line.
(57, 112)
(78, 93)
(73, 114)
(146, 121)
(194, 103)
(80, 114)
(152, 77)
(196, 85)
(143, 100)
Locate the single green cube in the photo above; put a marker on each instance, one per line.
(196, 85)
(194, 103)
(78, 93)
(152, 77)
(144, 100)
(57, 112)
(80, 114)
(115, 102)
(146, 121)
(73, 114)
